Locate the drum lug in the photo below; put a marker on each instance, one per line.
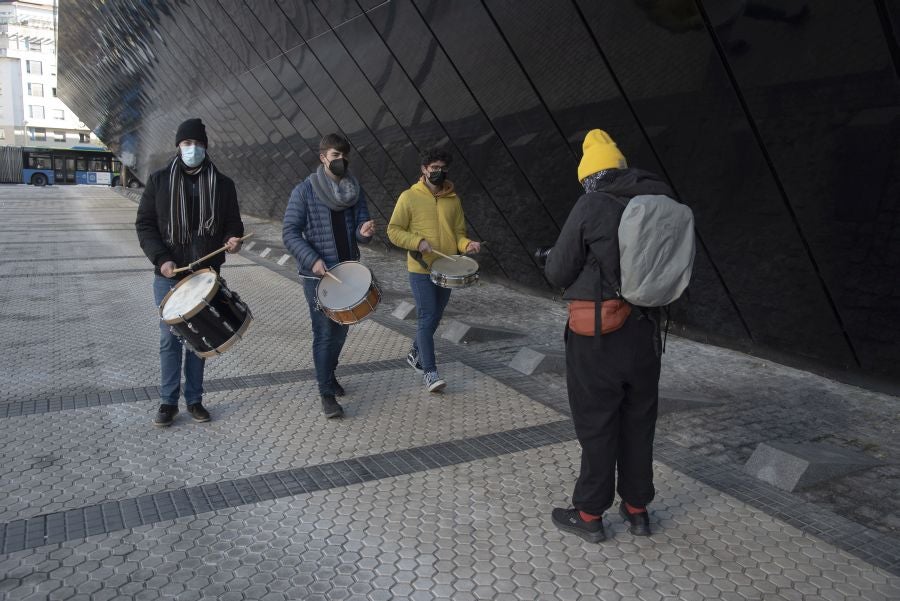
(212, 310)
(227, 326)
(192, 328)
(210, 345)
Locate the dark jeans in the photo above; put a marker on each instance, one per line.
(328, 340)
(171, 351)
(431, 300)
(614, 393)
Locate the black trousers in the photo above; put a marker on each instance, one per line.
(613, 383)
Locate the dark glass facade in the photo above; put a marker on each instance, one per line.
(778, 122)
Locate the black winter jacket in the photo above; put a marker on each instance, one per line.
(587, 251)
(152, 223)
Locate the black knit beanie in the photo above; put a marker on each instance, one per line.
(192, 129)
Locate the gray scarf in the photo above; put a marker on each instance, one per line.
(337, 196)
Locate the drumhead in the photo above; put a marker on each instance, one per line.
(188, 294)
(463, 265)
(355, 281)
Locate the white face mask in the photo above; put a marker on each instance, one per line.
(192, 155)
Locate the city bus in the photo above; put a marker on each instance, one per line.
(61, 166)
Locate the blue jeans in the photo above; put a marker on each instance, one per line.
(328, 340)
(431, 300)
(170, 353)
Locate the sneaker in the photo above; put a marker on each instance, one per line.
(638, 523)
(337, 388)
(330, 407)
(413, 359)
(433, 382)
(198, 412)
(165, 416)
(569, 520)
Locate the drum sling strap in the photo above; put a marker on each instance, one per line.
(417, 257)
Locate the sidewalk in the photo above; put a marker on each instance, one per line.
(413, 495)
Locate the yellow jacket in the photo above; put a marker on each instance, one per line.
(419, 214)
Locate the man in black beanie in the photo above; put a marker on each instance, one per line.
(188, 210)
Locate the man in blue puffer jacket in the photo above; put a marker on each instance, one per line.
(325, 219)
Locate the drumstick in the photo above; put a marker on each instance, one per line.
(333, 277)
(209, 256)
(437, 252)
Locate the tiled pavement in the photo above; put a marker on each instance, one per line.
(412, 496)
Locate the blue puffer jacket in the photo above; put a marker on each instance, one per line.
(307, 231)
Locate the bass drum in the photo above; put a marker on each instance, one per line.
(208, 316)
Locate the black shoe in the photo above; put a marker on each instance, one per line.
(165, 416)
(412, 358)
(198, 412)
(638, 523)
(330, 407)
(569, 520)
(337, 388)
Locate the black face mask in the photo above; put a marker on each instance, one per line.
(338, 167)
(437, 177)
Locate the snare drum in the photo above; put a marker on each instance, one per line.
(352, 300)
(205, 314)
(461, 272)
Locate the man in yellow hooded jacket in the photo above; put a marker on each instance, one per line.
(428, 217)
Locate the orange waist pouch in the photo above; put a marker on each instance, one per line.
(613, 314)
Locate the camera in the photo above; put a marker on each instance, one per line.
(541, 253)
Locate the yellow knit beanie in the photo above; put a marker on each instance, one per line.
(600, 152)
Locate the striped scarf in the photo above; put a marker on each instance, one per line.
(179, 228)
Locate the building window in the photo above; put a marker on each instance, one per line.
(2, 134)
(36, 111)
(53, 91)
(84, 138)
(58, 114)
(37, 134)
(34, 67)
(36, 89)
(59, 136)
(35, 45)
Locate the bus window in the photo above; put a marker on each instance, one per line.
(98, 165)
(39, 161)
(81, 165)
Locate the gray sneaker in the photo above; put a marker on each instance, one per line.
(433, 382)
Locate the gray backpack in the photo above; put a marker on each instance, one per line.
(656, 250)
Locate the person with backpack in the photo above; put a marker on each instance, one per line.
(613, 345)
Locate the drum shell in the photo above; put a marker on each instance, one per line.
(453, 281)
(221, 320)
(351, 315)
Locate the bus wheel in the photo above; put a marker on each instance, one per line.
(38, 179)
(134, 184)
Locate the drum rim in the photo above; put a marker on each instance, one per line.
(230, 342)
(195, 310)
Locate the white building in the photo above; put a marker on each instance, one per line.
(30, 112)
